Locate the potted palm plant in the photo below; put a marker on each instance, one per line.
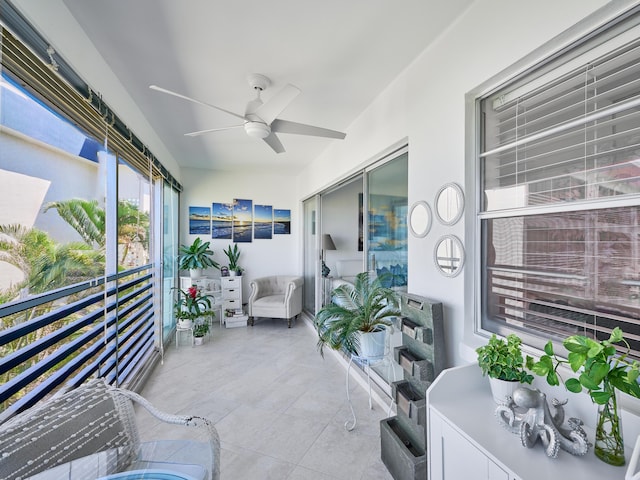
(502, 361)
(233, 254)
(196, 257)
(357, 317)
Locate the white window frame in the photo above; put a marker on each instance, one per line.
(594, 25)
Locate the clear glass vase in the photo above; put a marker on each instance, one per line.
(609, 446)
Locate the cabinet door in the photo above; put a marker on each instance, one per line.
(454, 457)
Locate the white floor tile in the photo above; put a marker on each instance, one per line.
(279, 407)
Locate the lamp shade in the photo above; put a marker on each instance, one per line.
(327, 242)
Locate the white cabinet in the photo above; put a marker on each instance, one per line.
(460, 459)
(466, 441)
(231, 293)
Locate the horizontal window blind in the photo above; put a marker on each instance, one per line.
(561, 274)
(574, 138)
(78, 103)
(559, 168)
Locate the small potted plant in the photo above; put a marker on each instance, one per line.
(357, 318)
(196, 257)
(502, 361)
(191, 305)
(200, 329)
(233, 254)
(603, 370)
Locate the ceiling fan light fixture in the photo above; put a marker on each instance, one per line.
(257, 129)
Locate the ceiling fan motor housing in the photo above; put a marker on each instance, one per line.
(257, 129)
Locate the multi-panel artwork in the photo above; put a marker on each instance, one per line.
(240, 221)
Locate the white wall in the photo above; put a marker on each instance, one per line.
(427, 105)
(261, 257)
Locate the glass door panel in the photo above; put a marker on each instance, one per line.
(387, 238)
(169, 256)
(310, 246)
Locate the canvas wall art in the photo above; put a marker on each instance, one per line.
(199, 220)
(221, 220)
(242, 220)
(262, 221)
(281, 222)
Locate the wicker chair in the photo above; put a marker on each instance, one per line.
(91, 432)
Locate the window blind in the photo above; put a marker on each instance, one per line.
(75, 100)
(559, 168)
(575, 138)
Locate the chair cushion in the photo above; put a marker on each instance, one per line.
(270, 304)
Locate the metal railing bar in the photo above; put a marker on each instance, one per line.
(146, 341)
(17, 306)
(19, 356)
(17, 383)
(17, 331)
(28, 376)
(132, 337)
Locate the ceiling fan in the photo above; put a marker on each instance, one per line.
(260, 120)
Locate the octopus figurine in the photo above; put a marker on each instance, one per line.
(527, 413)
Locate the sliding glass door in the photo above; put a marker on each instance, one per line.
(387, 230)
(310, 246)
(386, 245)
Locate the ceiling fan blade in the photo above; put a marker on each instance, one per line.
(285, 126)
(276, 104)
(274, 142)
(195, 134)
(164, 90)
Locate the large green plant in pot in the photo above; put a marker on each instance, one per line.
(196, 257)
(361, 308)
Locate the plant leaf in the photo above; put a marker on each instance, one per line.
(576, 360)
(601, 398)
(588, 382)
(573, 385)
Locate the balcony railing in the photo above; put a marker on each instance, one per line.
(67, 335)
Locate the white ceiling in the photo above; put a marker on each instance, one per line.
(340, 53)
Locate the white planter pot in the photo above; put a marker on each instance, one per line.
(198, 340)
(232, 273)
(501, 389)
(185, 324)
(195, 273)
(372, 345)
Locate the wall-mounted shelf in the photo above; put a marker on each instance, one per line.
(415, 366)
(415, 331)
(410, 401)
(403, 439)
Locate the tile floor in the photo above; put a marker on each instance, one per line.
(279, 407)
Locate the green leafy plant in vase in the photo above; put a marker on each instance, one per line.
(191, 305)
(196, 257)
(602, 370)
(233, 254)
(502, 361)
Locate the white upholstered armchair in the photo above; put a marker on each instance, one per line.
(277, 296)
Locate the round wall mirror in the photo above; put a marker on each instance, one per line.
(449, 203)
(449, 255)
(420, 219)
